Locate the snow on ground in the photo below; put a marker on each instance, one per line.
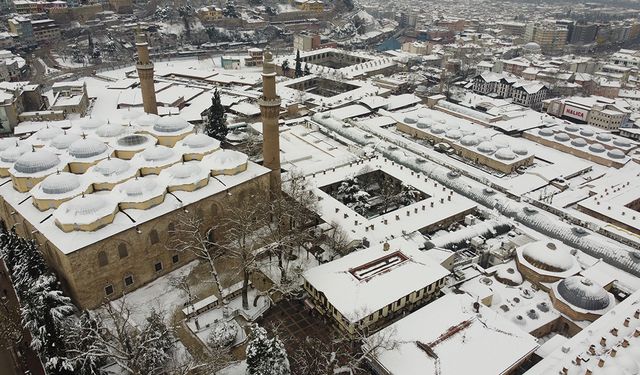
(158, 295)
(239, 368)
(66, 62)
(47, 69)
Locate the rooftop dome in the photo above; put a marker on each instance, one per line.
(438, 128)
(505, 154)
(621, 142)
(85, 148)
(200, 140)
(170, 124)
(157, 153)
(63, 141)
(596, 147)
(508, 275)
(470, 140)
(583, 293)
(579, 142)
(531, 46)
(184, 170)
(36, 161)
(6, 143)
(410, 119)
(454, 134)
(545, 132)
(452, 126)
(616, 154)
(548, 256)
(60, 183)
(520, 150)
(11, 154)
(423, 123)
(91, 205)
(586, 133)
(146, 120)
(561, 137)
(111, 166)
(487, 147)
(571, 128)
(603, 137)
(88, 123)
(132, 140)
(139, 187)
(110, 130)
(48, 133)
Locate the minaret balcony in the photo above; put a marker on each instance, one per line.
(264, 102)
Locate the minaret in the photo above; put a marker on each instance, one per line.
(270, 110)
(145, 74)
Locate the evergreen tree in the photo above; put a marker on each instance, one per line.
(44, 310)
(91, 45)
(266, 356)
(216, 125)
(285, 67)
(157, 340)
(30, 266)
(306, 70)
(298, 72)
(10, 248)
(82, 340)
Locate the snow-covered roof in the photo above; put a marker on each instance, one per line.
(464, 341)
(357, 285)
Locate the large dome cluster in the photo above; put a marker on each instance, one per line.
(36, 161)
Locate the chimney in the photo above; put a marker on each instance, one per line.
(636, 333)
(592, 350)
(386, 246)
(614, 332)
(613, 352)
(625, 343)
(603, 341)
(601, 362)
(577, 361)
(637, 314)
(626, 322)
(588, 372)
(564, 371)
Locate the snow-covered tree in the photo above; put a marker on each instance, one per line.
(223, 334)
(216, 124)
(355, 197)
(266, 356)
(44, 311)
(285, 68)
(307, 71)
(409, 195)
(84, 347)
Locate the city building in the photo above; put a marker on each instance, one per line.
(70, 97)
(209, 13)
(605, 113)
(552, 38)
(45, 31)
(309, 42)
(16, 98)
(370, 288)
(452, 335)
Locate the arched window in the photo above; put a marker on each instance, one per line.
(122, 250)
(153, 237)
(102, 259)
(214, 210)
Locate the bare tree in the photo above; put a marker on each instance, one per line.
(191, 235)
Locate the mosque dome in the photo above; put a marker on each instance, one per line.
(170, 124)
(133, 140)
(85, 148)
(562, 137)
(88, 123)
(199, 141)
(583, 293)
(579, 142)
(6, 143)
(110, 130)
(616, 154)
(63, 141)
(572, 128)
(184, 170)
(139, 187)
(505, 154)
(157, 153)
(596, 147)
(438, 128)
(111, 166)
(520, 150)
(60, 183)
(603, 137)
(545, 132)
(453, 134)
(487, 147)
(36, 161)
(146, 120)
(410, 119)
(531, 47)
(549, 256)
(11, 154)
(621, 142)
(84, 209)
(586, 133)
(48, 133)
(470, 140)
(423, 123)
